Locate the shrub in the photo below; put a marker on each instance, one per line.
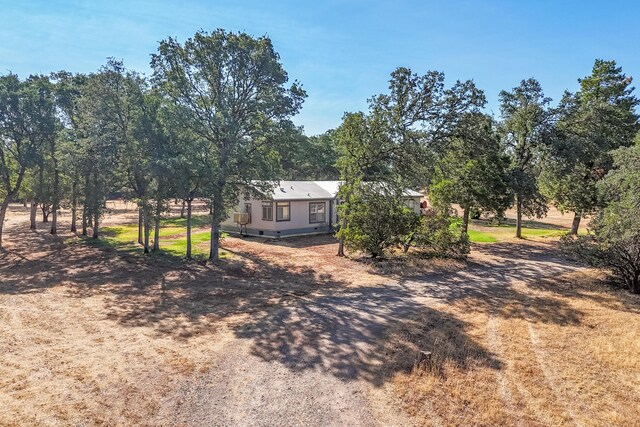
(614, 241)
(439, 234)
(377, 218)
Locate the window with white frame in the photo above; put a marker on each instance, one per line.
(282, 211)
(267, 211)
(317, 212)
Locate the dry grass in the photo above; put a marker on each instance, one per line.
(524, 370)
(93, 336)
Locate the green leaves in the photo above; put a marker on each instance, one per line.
(472, 170)
(599, 118)
(615, 242)
(376, 218)
(230, 90)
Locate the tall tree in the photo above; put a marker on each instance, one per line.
(527, 123)
(599, 118)
(311, 157)
(405, 128)
(107, 120)
(472, 169)
(364, 146)
(189, 164)
(233, 85)
(24, 127)
(68, 93)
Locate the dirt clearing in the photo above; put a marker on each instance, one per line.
(285, 333)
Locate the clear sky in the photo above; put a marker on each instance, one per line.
(341, 51)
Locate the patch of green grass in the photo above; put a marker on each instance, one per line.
(172, 233)
(494, 233)
(197, 221)
(481, 237)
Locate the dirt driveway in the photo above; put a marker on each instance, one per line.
(284, 333)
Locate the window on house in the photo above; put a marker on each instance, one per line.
(317, 212)
(247, 209)
(267, 211)
(411, 203)
(282, 211)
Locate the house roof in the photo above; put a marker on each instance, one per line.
(310, 190)
(301, 190)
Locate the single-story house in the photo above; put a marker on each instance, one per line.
(294, 208)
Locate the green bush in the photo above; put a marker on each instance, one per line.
(377, 218)
(439, 234)
(614, 241)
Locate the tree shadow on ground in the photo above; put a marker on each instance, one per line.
(297, 242)
(176, 299)
(343, 334)
(505, 281)
(292, 314)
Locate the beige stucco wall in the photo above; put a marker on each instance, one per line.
(256, 215)
(299, 215)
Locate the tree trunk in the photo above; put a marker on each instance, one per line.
(74, 206)
(156, 230)
(33, 211)
(575, 225)
(96, 223)
(84, 220)
(147, 231)
(341, 242)
(54, 221)
(45, 213)
(518, 218)
(3, 212)
(343, 226)
(465, 220)
(635, 285)
(189, 228)
(96, 206)
(182, 208)
(407, 244)
(140, 224)
(156, 220)
(11, 192)
(56, 197)
(216, 215)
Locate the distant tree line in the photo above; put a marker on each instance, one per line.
(215, 116)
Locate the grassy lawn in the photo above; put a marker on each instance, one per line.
(173, 240)
(483, 232)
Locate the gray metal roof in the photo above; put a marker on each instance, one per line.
(301, 190)
(310, 190)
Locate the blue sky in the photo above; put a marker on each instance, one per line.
(341, 51)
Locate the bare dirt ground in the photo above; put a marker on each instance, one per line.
(285, 333)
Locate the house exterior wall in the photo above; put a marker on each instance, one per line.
(298, 223)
